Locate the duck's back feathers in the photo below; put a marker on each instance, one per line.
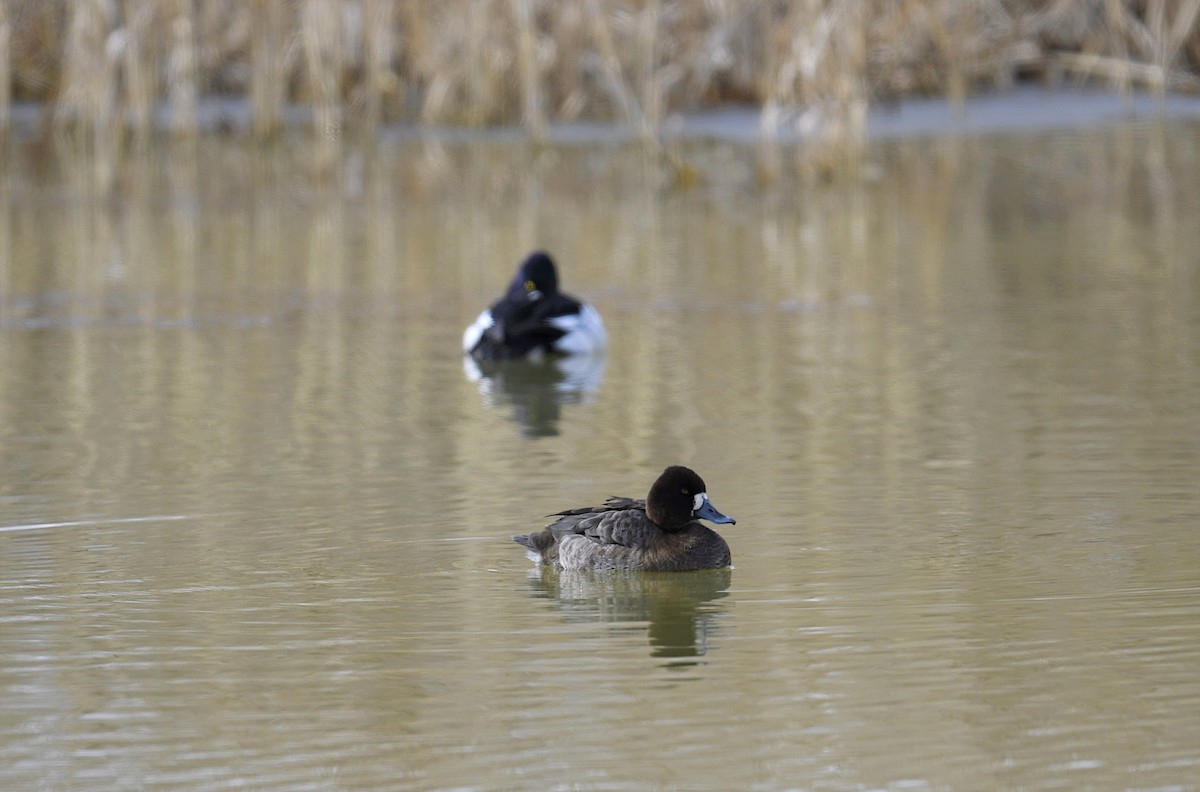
(620, 521)
(612, 504)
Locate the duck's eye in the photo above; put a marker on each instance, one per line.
(530, 285)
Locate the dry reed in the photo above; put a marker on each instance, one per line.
(5, 69)
(810, 65)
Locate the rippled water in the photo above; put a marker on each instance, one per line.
(256, 513)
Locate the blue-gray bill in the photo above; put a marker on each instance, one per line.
(708, 512)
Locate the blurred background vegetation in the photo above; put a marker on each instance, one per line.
(807, 65)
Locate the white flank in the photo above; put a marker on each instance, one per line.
(584, 332)
(475, 332)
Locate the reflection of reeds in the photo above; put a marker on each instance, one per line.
(814, 276)
(812, 64)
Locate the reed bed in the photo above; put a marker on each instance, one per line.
(811, 66)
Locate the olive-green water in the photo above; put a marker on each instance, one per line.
(256, 515)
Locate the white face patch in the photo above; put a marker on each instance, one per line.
(698, 501)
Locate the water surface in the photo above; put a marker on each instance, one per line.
(256, 513)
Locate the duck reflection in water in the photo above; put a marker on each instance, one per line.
(678, 609)
(537, 389)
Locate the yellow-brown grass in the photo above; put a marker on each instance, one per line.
(812, 64)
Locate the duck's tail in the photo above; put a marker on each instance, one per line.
(541, 546)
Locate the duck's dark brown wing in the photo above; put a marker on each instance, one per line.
(620, 521)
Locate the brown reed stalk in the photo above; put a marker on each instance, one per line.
(414, 47)
(1172, 35)
(1137, 51)
(794, 50)
(439, 75)
(480, 19)
(947, 36)
(806, 63)
(137, 77)
(479, 23)
(378, 45)
(181, 70)
(854, 93)
(1122, 75)
(1127, 72)
(88, 84)
(321, 42)
(320, 36)
(88, 101)
(5, 69)
(1156, 25)
(532, 115)
(613, 73)
(268, 64)
(1183, 28)
(652, 87)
